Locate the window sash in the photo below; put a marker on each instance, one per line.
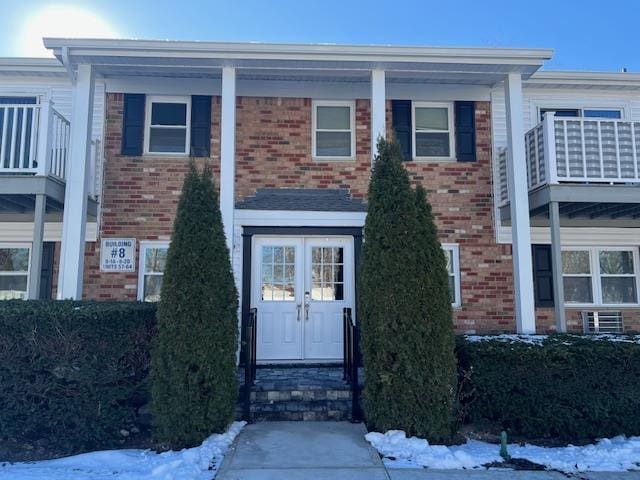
(317, 129)
(143, 272)
(18, 273)
(449, 131)
(453, 251)
(596, 275)
(151, 100)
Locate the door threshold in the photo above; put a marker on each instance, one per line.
(300, 364)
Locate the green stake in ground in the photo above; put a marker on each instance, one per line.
(193, 382)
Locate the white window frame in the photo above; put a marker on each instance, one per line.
(352, 128)
(19, 245)
(451, 131)
(454, 248)
(536, 105)
(144, 245)
(150, 100)
(596, 284)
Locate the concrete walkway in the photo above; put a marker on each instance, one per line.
(337, 451)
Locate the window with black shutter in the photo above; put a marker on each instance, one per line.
(465, 122)
(401, 123)
(542, 276)
(133, 124)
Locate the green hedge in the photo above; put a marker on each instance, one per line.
(565, 387)
(72, 374)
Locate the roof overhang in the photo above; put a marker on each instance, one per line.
(205, 59)
(32, 67)
(588, 80)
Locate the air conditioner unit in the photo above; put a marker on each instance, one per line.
(602, 322)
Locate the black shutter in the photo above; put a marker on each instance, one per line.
(542, 275)
(133, 124)
(200, 125)
(46, 272)
(465, 124)
(401, 122)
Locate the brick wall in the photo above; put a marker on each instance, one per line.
(139, 200)
(273, 149)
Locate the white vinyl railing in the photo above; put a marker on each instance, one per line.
(34, 139)
(502, 176)
(582, 150)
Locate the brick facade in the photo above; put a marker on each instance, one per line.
(273, 149)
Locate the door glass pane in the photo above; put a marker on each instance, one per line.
(619, 290)
(333, 118)
(278, 274)
(613, 262)
(327, 274)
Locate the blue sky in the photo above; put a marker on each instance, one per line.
(586, 35)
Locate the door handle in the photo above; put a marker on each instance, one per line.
(307, 305)
(298, 308)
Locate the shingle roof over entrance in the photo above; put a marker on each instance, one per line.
(307, 199)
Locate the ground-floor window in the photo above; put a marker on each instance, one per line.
(14, 271)
(600, 275)
(452, 254)
(153, 258)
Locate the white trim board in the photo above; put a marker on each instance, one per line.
(297, 218)
(579, 236)
(23, 232)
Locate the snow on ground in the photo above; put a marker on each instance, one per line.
(198, 463)
(607, 455)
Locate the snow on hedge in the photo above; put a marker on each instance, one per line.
(607, 455)
(540, 339)
(198, 463)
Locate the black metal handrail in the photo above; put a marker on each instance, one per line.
(350, 367)
(251, 334)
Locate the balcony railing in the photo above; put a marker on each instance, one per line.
(34, 139)
(578, 150)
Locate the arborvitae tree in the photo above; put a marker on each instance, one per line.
(193, 365)
(406, 335)
(438, 359)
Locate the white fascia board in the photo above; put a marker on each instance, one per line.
(587, 79)
(24, 65)
(317, 52)
(298, 218)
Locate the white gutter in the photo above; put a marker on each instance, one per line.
(589, 79)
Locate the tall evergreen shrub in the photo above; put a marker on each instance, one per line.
(404, 308)
(193, 365)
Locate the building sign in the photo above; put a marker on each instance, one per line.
(118, 255)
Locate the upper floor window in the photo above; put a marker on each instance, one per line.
(600, 276)
(583, 112)
(433, 136)
(333, 130)
(14, 272)
(167, 125)
(153, 258)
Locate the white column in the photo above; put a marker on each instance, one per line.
(35, 265)
(378, 109)
(75, 200)
(556, 262)
(519, 205)
(228, 153)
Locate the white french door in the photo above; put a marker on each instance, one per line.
(300, 286)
